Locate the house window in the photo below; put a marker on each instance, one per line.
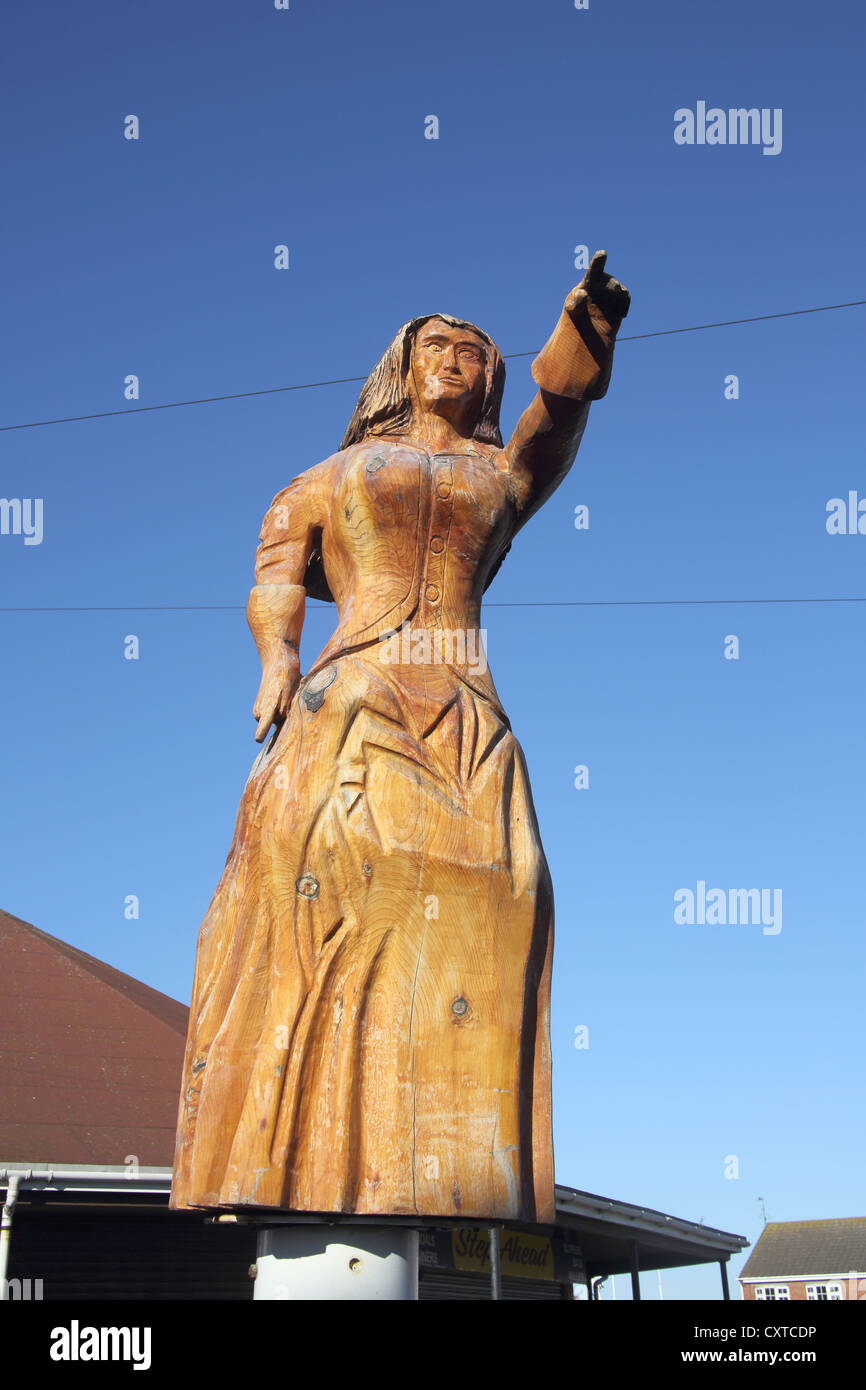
(769, 1292)
(823, 1292)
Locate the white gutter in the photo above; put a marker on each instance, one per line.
(86, 1179)
(802, 1278)
(12, 1185)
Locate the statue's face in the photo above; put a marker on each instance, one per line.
(449, 371)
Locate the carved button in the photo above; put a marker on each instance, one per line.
(459, 1006)
(437, 545)
(443, 489)
(432, 593)
(307, 886)
(375, 464)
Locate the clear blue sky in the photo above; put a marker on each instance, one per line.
(155, 257)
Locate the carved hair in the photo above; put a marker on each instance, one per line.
(384, 405)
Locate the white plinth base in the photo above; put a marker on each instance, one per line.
(336, 1263)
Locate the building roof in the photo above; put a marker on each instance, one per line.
(609, 1228)
(90, 1059)
(788, 1249)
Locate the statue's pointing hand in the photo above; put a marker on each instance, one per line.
(577, 364)
(599, 296)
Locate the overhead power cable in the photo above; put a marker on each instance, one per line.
(523, 603)
(345, 380)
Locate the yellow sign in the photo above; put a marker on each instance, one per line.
(526, 1256)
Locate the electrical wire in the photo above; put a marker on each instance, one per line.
(344, 380)
(523, 603)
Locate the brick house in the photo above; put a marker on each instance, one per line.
(814, 1261)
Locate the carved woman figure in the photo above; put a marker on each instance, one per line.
(369, 1022)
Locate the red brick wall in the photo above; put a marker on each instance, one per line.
(797, 1288)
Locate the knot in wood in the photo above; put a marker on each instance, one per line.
(314, 690)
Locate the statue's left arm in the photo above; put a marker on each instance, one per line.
(572, 370)
(275, 608)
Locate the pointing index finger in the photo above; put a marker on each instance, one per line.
(595, 276)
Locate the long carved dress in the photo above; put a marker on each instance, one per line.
(369, 1029)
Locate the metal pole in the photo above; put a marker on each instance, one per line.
(635, 1273)
(338, 1263)
(726, 1293)
(495, 1272)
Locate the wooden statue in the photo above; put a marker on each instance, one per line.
(369, 1023)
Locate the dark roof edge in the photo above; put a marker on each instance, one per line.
(591, 1203)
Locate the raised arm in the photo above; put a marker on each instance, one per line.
(572, 370)
(275, 609)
